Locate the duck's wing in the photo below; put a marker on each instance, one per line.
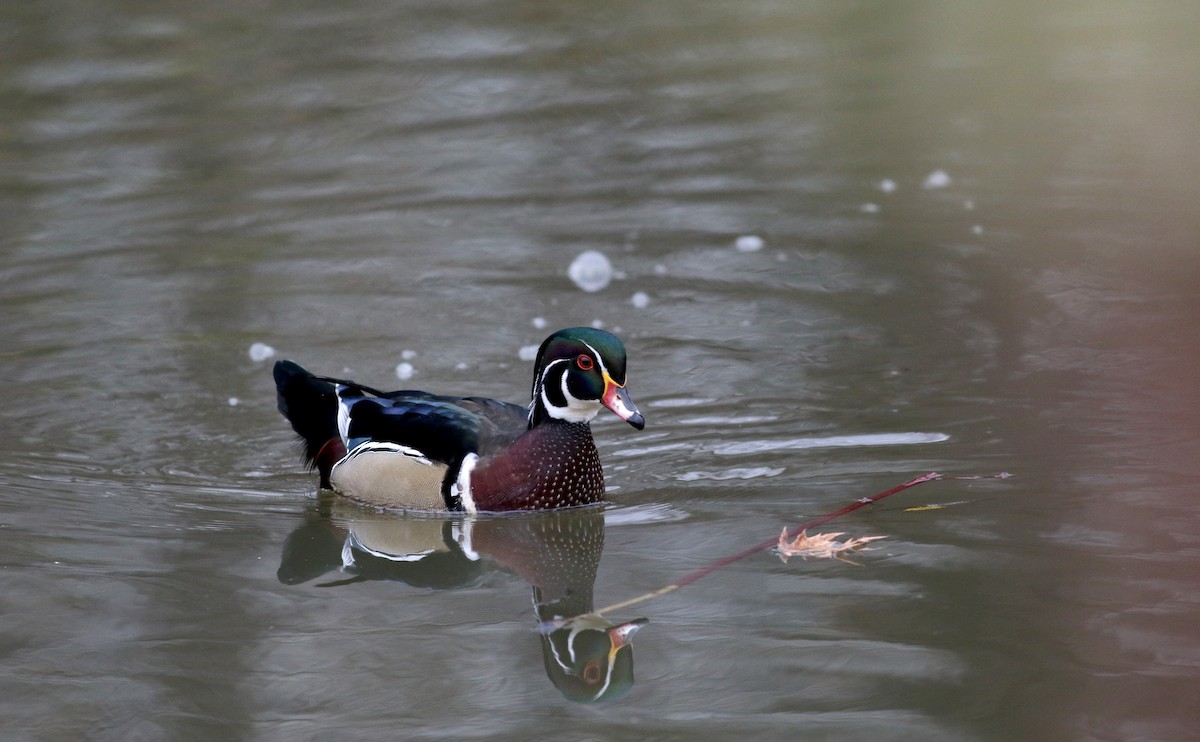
(332, 416)
(443, 429)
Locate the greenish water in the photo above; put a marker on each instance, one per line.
(978, 253)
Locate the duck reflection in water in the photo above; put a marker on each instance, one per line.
(556, 552)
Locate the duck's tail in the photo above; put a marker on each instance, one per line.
(311, 405)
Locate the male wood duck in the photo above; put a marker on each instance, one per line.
(416, 450)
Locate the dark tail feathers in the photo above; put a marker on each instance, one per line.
(310, 404)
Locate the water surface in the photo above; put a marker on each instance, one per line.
(978, 253)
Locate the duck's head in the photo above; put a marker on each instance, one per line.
(578, 371)
(590, 659)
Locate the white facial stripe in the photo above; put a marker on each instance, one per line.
(612, 662)
(550, 409)
(577, 410)
(571, 641)
(562, 384)
(549, 642)
(546, 371)
(599, 359)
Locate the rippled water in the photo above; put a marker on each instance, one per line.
(849, 244)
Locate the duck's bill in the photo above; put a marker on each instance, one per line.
(617, 399)
(622, 634)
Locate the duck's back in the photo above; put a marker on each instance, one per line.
(397, 449)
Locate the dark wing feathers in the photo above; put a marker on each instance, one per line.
(443, 428)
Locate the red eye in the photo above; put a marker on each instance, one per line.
(591, 672)
(584, 362)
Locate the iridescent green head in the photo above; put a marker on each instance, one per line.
(579, 370)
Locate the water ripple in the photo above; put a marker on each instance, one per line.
(752, 472)
(835, 441)
(638, 514)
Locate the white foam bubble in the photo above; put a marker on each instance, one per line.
(408, 355)
(405, 371)
(887, 185)
(527, 352)
(869, 208)
(233, 401)
(260, 352)
(937, 179)
(591, 270)
(749, 243)
(539, 323)
(640, 300)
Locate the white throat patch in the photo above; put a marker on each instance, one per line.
(577, 410)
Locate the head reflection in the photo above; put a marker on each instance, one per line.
(557, 553)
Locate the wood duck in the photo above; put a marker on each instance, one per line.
(416, 450)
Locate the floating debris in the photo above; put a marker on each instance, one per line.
(591, 270)
(821, 546)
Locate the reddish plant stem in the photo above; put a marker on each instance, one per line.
(791, 533)
(820, 520)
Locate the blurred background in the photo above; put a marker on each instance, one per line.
(845, 243)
